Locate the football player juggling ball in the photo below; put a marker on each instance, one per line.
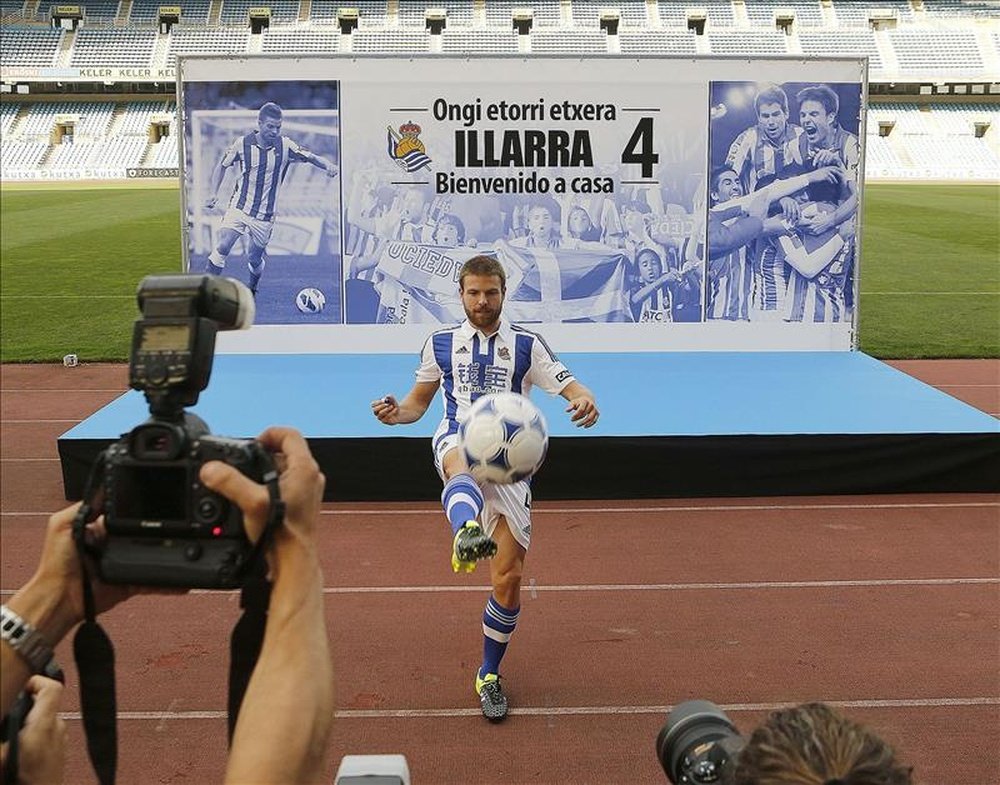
(485, 354)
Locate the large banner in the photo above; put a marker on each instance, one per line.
(635, 204)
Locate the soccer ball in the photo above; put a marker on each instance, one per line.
(310, 300)
(504, 438)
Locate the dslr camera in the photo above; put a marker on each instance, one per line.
(699, 744)
(164, 528)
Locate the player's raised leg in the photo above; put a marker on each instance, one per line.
(217, 258)
(500, 619)
(462, 500)
(256, 262)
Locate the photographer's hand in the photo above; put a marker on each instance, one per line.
(284, 724)
(42, 740)
(52, 600)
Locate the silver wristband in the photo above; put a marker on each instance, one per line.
(25, 640)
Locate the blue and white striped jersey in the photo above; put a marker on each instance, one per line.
(759, 161)
(262, 170)
(469, 365)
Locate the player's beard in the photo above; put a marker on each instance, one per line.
(486, 319)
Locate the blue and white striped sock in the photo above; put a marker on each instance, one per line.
(462, 501)
(498, 625)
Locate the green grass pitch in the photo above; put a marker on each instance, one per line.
(70, 259)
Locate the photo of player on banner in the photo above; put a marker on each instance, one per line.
(782, 201)
(262, 193)
(618, 249)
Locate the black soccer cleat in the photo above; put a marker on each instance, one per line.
(471, 543)
(491, 697)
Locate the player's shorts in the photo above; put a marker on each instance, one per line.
(257, 229)
(512, 501)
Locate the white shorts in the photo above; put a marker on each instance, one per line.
(258, 230)
(512, 501)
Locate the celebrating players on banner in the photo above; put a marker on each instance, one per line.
(263, 161)
(796, 262)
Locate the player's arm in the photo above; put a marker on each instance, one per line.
(392, 412)
(298, 153)
(581, 404)
(810, 263)
(824, 222)
(230, 157)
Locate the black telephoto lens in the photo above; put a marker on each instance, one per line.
(688, 744)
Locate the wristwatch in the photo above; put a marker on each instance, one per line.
(25, 640)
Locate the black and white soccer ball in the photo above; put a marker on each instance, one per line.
(504, 438)
(310, 300)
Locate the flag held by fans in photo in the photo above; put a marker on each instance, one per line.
(418, 284)
(566, 284)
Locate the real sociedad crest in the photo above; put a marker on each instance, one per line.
(405, 147)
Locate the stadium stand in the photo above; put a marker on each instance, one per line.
(719, 13)
(631, 13)
(807, 12)
(29, 47)
(747, 42)
(390, 41)
(460, 42)
(657, 42)
(234, 12)
(923, 45)
(847, 42)
(294, 41)
(195, 40)
(569, 41)
(936, 51)
(856, 14)
(93, 10)
(500, 13)
(114, 47)
(413, 14)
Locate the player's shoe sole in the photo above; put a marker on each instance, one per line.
(491, 698)
(470, 545)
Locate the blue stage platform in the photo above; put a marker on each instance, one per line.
(672, 424)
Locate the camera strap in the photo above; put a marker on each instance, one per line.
(94, 653)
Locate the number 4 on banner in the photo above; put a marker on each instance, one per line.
(639, 149)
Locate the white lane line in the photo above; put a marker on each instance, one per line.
(533, 587)
(672, 508)
(727, 586)
(553, 711)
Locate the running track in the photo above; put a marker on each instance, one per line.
(887, 606)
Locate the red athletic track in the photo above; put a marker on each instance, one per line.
(886, 605)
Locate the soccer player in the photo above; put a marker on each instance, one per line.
(262, 158)
(485, 354)
(762, 152)
(826, 143)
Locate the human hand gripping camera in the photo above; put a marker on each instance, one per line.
(177, 508)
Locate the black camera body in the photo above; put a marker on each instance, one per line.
(164, 527)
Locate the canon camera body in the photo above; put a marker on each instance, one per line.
(164, 527)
